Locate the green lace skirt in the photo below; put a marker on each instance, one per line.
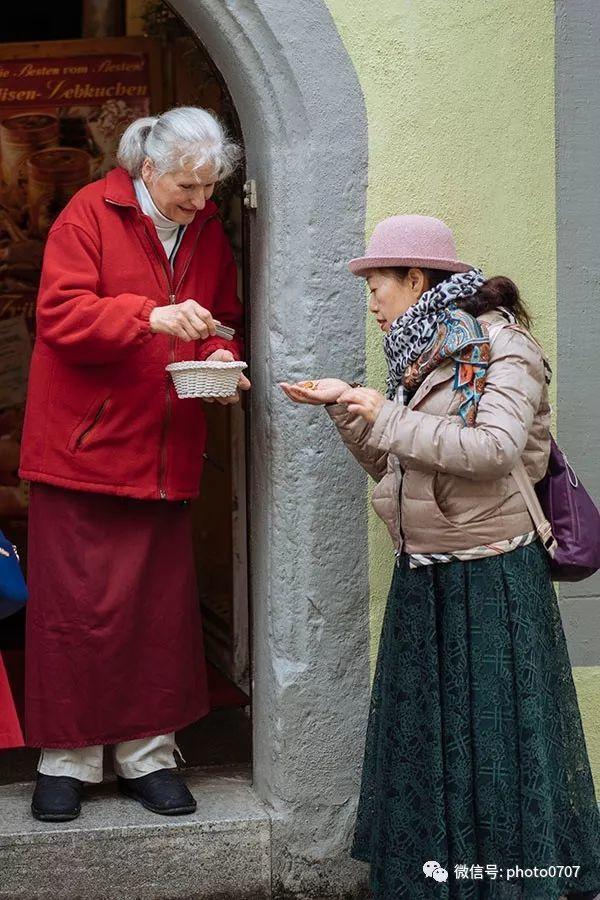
(475, 754)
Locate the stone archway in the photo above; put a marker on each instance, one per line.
(305, 130)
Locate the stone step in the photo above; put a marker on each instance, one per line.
(117, 849)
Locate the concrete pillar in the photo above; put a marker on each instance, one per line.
(296, 92)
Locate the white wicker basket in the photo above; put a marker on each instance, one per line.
(206, 379)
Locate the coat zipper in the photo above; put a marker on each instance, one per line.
(172, 292)
(167, 420)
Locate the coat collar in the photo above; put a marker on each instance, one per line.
(443, 373)
(119, 189)
(494, 315)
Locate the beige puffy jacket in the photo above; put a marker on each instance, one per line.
(441, 485)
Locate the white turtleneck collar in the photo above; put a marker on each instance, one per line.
(168, 231)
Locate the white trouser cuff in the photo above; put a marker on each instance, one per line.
(84, 763)
(132, 759)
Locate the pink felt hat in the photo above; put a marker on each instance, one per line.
(420, 241)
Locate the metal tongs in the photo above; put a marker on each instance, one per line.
(225, 331)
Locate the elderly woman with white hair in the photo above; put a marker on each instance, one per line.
(137, 273)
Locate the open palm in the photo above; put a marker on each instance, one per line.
(324, 390)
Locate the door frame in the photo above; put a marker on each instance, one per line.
(305, 133)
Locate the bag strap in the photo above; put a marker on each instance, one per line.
(523, 481)
(542, 525)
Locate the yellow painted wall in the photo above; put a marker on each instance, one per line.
(460, 105)
(587, 683)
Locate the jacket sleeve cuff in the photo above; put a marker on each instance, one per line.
(146, 311)
(209, 345)
(377, 438)
(144, 316)
(338, 412)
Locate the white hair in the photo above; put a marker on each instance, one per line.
(185, 137)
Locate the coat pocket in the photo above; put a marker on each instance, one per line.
(83, 434)
(386, 503)
(464, 503)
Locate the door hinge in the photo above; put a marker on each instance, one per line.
(250, 195)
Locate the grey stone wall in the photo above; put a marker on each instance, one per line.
(304, 126)
(578, 230)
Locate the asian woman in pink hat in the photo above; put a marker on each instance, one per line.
(476, 781)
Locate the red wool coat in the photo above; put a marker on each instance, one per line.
(102, 414)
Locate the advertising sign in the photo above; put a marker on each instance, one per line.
(63, 108)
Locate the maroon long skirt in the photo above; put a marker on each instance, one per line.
(114, 647)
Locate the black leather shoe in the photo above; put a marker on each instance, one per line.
(162, 792)
(56, 798)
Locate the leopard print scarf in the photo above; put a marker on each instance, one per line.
(434, 329)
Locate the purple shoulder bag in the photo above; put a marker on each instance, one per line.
(565, 516)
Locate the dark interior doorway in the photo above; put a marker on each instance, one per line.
(187, 77)
(40, 21)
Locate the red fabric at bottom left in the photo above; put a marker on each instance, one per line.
(10, 728)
